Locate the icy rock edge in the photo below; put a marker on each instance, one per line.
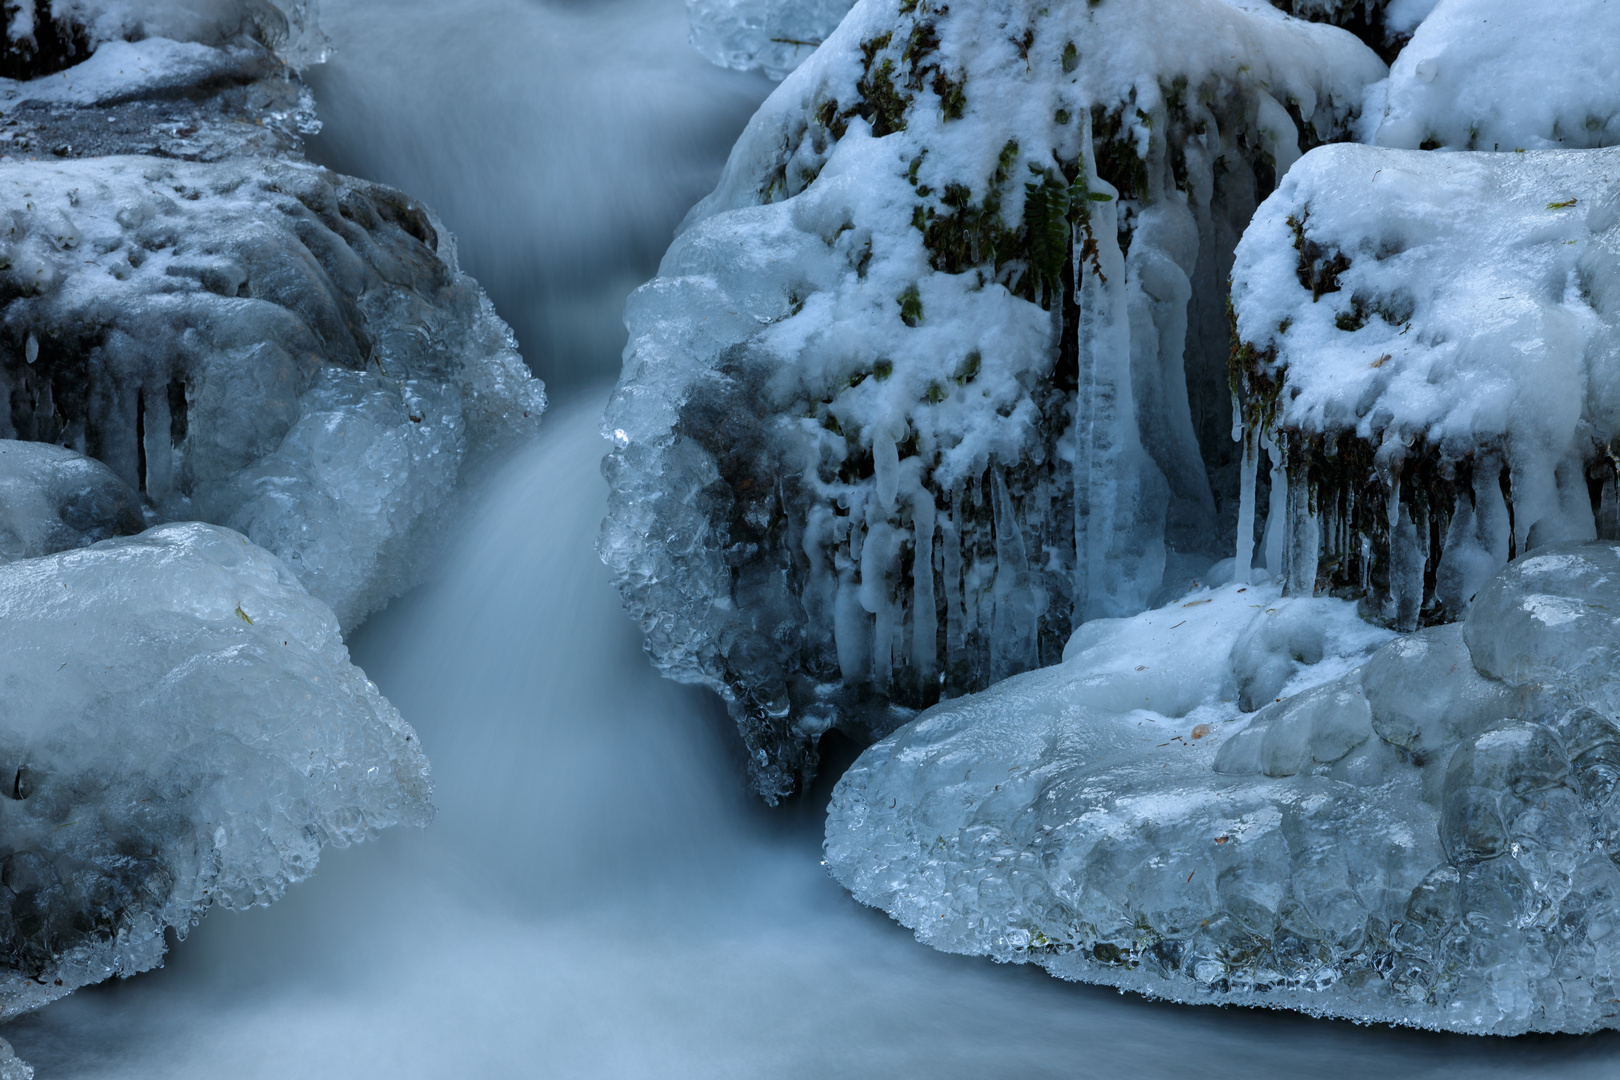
(180, 727)
(1427, 839)
(1429, 340)
(939, 370)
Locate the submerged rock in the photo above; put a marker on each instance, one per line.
(935, 372)
(1430, 338)
(1427, 839)
(180, 727)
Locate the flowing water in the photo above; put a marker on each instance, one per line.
(599, 897)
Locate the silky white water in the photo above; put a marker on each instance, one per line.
(599, 897)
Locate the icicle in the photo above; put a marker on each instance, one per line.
(850, 629)
(156, 445)
(1243, 570)
(1120, 495)
(1608, 519)
(1304, 543)
(1408, 554)
(1276, 514)
(951, 562)
(925, 617)
(877, 566)
(885, 469)
(1012, 634)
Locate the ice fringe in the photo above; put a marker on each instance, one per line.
(1430, 338)
(935, 371)
(1428, 839)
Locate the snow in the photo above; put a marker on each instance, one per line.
(1449, 316)
(1423, 839)
(1499, 75)
(270, 347)
(181, 727)
(939, 324)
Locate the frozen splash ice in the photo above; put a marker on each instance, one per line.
(269, 346)
(181, 727)
(1427, 838)
(926, 380)
(1430, 337)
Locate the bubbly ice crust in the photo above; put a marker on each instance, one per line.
(180, 727)
(1428, 838)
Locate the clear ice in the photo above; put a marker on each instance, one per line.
(180, 727)
(933, 375)
(1427, 837)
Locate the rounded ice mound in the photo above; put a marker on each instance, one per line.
(180, 726)
(268, 346)
(934, 372)
(1432, 338)
(1502, 75)
(774, 36)
(1429, 839)
(52, 499)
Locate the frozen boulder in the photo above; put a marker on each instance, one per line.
(53, 499)
(1500, 75)
(1427, 839)
(180, 726)
(1431, 339)
(774, 36)
(197, 79)
(264, 345)
(931, 376)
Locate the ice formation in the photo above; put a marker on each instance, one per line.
(269, 346)
(1431, 339)
(1500, 75)
(199, 80)
(53, 499)
(774, 36)
(908, 398)
(180, 726)
(1426, 839)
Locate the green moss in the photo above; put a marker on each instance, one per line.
(911, 313)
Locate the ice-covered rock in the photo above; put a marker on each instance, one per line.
(264, 345)
(1500, 75)
(774, 36)
(908, 398)
(180, 726)
(53, 499)
(196, 79)
(1428, 839)
(1433, 339)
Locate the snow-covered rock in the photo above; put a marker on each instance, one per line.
(1434, 339)
(1385, 25)
(53, 499)
(1500, 75)
(196, 79)
(927, 379)
(1426, 839)
(180, 726)
(264, 345)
